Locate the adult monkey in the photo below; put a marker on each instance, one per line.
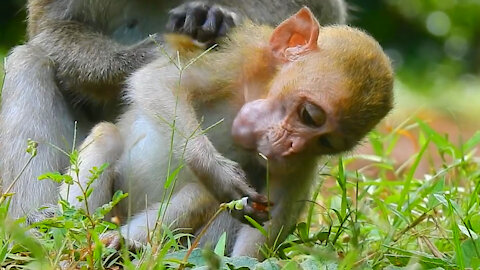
(75, 62)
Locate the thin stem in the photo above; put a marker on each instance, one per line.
(2, 199)
(222, 208)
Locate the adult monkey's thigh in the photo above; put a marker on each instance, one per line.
(32, 107)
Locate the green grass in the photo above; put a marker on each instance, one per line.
(381, 215)
(392, 219)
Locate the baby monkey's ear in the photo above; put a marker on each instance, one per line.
(295, 36)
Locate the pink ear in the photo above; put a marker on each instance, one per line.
(295, 36)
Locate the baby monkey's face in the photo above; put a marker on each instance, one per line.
(299, 117)
(330, 87)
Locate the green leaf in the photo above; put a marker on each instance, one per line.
(68, 179)
(475, 263)
(440, 141)
(172, 176)
(256, 225)
(456, 237)
(377, 145)
(322, 236)
(74, 157)
(270, 264)
(95, 173)
(58, 235)
(475, 220)
(472, 142)
(441, 198)
(241, 262)
(196, 258)
(424, 258)
(312, 264)
(6, 195)
(339, 215)
(409, 178)
(302, 231)
(469, 252)
(56, 177)
(88, 192)
(221, 245)
(291, 265)
(4, 252)
(342, 182)
(106, 208)
(118, 196)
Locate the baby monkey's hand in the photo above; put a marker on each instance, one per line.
(257, 209)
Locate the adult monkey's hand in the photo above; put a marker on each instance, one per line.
(202, 21)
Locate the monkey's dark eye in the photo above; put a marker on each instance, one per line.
(312, 115)
(325, 142)
(333, 143)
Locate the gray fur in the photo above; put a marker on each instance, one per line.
(73, 67)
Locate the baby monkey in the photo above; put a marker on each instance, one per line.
(293, 93)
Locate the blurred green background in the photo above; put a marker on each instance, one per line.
(431, 42)
(434, 44)
(12, 24)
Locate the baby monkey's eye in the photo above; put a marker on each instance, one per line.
(312, 115)
(325, 142)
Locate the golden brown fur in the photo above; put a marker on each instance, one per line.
(292, 93)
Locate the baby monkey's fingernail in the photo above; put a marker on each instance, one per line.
(260, 207)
